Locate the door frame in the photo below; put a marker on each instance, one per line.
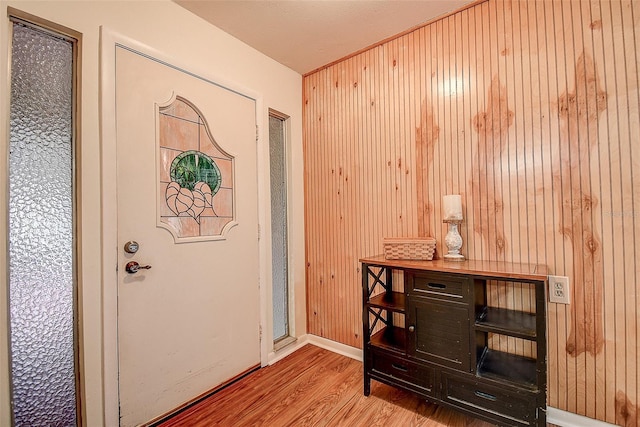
(109, 41)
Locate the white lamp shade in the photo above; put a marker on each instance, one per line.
(452, 207)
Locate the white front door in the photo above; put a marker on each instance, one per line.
(191, 321)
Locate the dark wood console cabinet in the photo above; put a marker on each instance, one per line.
(431, 335)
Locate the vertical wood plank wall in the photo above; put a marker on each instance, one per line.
(531, 111)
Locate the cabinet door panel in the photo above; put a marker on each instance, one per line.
(440, 332)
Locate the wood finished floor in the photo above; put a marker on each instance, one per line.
(315, 387)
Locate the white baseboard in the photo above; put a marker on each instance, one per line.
(554, 416)
(336, 347)
(276, 356)
(569, 419)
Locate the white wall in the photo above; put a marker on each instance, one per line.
(200, 47)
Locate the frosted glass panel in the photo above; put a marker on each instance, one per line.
(41, 279)
(278, 227)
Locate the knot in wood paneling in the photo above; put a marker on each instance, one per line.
(588, 202)
(497, 118)
(587, 101)
(591, 244)
(626, 412)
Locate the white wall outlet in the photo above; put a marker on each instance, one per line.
(559, 289)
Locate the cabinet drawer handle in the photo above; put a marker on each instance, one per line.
(436, 286)
(399, 367)
(487, 396)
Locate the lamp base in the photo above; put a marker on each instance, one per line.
(453, 240)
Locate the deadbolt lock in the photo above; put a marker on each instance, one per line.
(131, 247)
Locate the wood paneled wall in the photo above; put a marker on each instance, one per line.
(531, 111)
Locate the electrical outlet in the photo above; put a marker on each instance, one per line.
(559, 289)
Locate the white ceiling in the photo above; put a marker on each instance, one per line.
(307, 34)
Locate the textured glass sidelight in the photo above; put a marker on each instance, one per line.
(278, 227)
(41, 255)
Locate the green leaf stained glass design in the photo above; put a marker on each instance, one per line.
(192, 167)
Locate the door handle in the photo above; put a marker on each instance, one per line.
(132, 267)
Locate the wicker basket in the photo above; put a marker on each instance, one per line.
(418, 248)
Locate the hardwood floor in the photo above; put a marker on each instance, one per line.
(315, 387)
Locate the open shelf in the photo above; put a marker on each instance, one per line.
(510, 368)
(507, 322)
(390, 338)
(392, 301)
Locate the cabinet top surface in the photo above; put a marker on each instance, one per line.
(497, 269)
